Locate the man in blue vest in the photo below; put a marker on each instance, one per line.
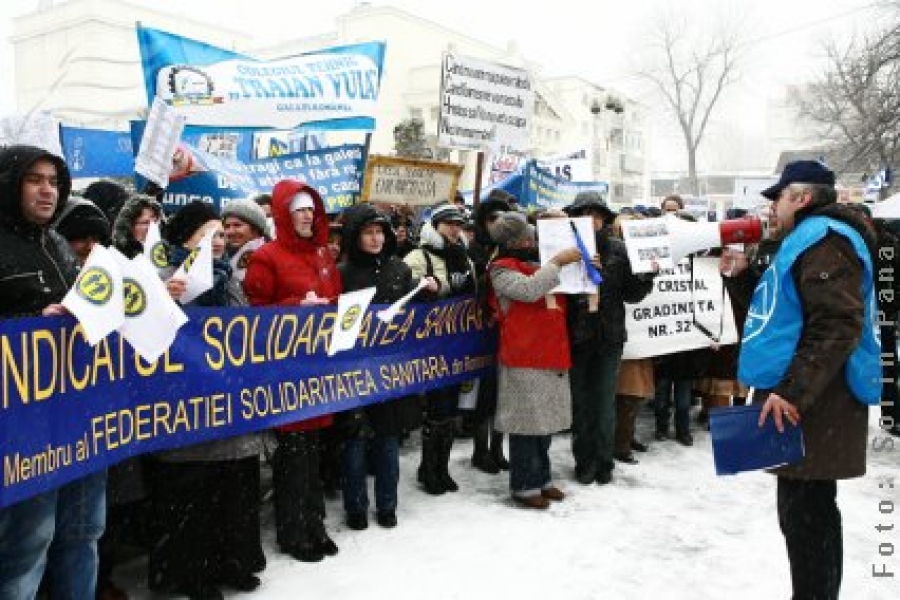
(811, 350)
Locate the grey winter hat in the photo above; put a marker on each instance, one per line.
(247, 211)
(508, 227)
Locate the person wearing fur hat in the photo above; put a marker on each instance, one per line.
(296, 268)
(133, 222)
(441, 255)
(370, 260)
(83, 225)
(534, 400)
(55, 531)
(487, 446)
(206, 496)
(597, 336)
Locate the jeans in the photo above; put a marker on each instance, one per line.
(593, 378)
(663, 404)
(529, 464)
(58, 530)
(811, 524)
(386, 454)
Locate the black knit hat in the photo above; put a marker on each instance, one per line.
(81, 219)
(191, 217)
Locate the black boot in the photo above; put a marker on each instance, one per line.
(429, 474)
(497, 451)
(482, 458)
(445, 437)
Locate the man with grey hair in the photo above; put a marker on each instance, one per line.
(811, 351)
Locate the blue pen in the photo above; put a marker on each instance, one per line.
(593, 273)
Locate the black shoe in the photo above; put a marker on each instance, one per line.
(604, 477)
(357, 520)
(326, 546)
(638, 447)
(585, 475)
(484, 462)
(448, 483)
(625, 457)
(304, 553)
(242, 582)
(661, 435)
(685, 439)
(386, 518)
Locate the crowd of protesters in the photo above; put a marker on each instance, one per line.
(195, 510)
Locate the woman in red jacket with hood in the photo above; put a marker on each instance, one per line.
(296, 268)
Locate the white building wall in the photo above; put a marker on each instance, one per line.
(80, 59)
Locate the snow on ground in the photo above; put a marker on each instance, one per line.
(667, 528)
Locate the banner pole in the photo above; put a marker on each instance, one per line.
(479, 167)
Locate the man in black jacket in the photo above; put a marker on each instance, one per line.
(597, 336)
(58, 529)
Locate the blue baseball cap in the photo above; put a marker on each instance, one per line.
(800, 171)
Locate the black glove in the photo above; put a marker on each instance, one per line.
(460, 282)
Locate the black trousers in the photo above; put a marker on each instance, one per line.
(209, 513)
(811, 523)
(298, 497)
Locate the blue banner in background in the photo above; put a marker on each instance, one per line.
(67, 409)
(543, 189)
(97, 153)
(335, 172)
(539, 188)
(336, 88)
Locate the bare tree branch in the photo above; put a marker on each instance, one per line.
(691, 78)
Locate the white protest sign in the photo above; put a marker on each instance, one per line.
(197, 269)
(484, 105)
(161, 136)
(647, 241)
(555, 235)
(663, 322)
(96, 299)
(747, 191)
(351, 309)
(36, 129)
(697, 206)
(152, 318)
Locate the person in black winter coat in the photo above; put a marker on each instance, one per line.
(487, 447)
(370, 259)
(597, 337)
(57, 530)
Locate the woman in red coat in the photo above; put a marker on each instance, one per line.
(296, 268)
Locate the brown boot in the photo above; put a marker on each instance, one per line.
(553, 493)
(539, 502)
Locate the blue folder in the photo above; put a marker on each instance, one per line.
(740, 444)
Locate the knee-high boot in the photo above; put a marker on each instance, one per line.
(482, 457)
(429, 474)
(445, 445)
